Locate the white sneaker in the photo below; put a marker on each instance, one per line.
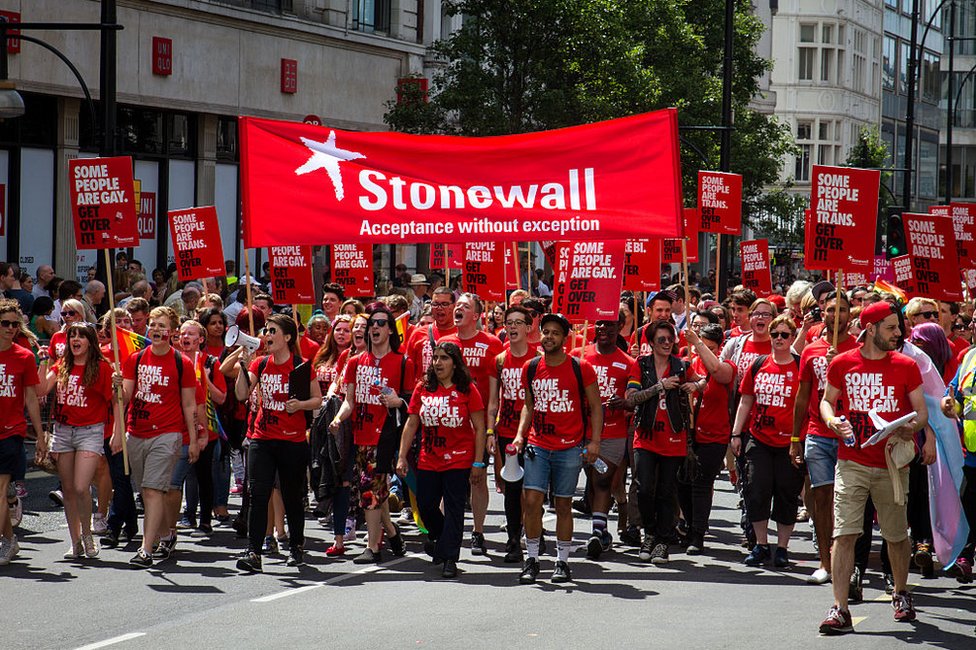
(406, 516)
(16, 512)
(74, 551)
(819, 577)
(90, 546)
(99, 524)
(8, 549)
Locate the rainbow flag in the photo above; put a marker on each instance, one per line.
(887, 287)
(401, 325)
(213, 422)
(129, 343)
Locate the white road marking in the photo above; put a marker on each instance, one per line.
(112, 641)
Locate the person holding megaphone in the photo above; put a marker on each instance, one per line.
(449, 412)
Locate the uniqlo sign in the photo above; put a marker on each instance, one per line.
(13, 43)
(289, 76)
(162, 56)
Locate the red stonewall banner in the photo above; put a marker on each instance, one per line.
(671, 248)
(484, 270)
(964, 227)
(103, 203)
(618, 179)
(455, 255)
(291, 275)
(195, 234)
(588, 280)
(901, 268)
(352, 267)
(840, 232)
(642, 265)
(512, 276)
(931, 247)
(755, 266)
(720, 202)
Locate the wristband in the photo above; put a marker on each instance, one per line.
(794, 439)
(490, 432)
(479, 465)
(737, 436)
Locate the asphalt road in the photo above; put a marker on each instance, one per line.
(199, 599)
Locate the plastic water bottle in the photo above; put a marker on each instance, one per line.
(599, 464)
(850, 439)
(385, 390)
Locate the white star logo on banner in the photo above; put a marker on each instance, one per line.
(325, 155)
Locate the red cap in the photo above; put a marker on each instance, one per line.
(779, 301)
(876, 312)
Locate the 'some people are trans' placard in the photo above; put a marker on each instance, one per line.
(840, 231)
(720, 202)
(195, 234)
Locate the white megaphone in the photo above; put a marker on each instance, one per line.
(512, 472)
(235, 336)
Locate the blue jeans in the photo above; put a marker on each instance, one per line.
(561, 468)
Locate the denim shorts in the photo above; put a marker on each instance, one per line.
(562, 468)
(67, 438)
(820, 454)
(181, 469)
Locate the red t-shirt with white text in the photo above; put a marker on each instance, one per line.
(662, 438)
(156, 406)
(557, 420)
(774, 389)
(511, 393)
(17, 371)
(368, 375)
(59, 341)
(712, 423)
(613, 372)
(446, 432)
(479, 353)
(813, 369)
(419, 349)
(273, 422)
(78, 405)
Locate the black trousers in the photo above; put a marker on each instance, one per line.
(657, 477)
(447, 527)
(772, 478)
(695, 497)
(289, 461)
(513, 500)
(122, 510)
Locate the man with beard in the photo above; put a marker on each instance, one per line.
(872, 377)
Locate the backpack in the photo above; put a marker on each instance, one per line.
(578, 372)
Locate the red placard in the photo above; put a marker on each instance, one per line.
(720, 202)
(484, 270)
(964, 227)
(588, 280)
(582, 183)
(935, 272)
(147, 215)
(13, 43)
(195, 233)
(455, 256)
(162, 56)
(882, 269)
(512, 275)
(901, 270)
(671, 248)
(352, 267)
(289, 76)
(642, 265)
(843, 221)
(103, 203)
(755, 266)
(291, 275)
(941, 210)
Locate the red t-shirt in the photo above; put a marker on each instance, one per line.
(17, 371)
(59, 340)
(368, 375)
(308, 348)
(814, 332)
(813, 369)
(446, 432)
(959, 345)
(712, 423)
(215, 350)
(418, 348)
(557, 419)
(479, 353)
(511, 393)
(774, 389)
(272, 421)
(750, 350)
(533, 347)
(156, 406)
(883, 384)
(78, 405)
(662, 439)
(613, 372)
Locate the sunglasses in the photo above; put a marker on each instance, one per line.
(664, 339)
(780, 335)
(68, 312)
(382, 322)
(958, 326)
(928, 314)
(9, 323)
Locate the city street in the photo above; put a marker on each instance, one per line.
(199, 597)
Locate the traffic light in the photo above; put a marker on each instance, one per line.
(895, 239)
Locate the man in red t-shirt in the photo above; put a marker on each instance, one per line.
(161, 402)
(875, 378)
(553, 421)
(419, 348)
(18, 379)
(479, 350)
(812, 442)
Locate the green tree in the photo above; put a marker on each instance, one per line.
(515, 67)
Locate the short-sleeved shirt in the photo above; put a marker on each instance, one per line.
(156, 406)
(368, 376)
(813, 369)
(78, 405)
(59, 341)
(308, 348)
(17, 372)
(479, 353)
(712, 422)
(557, 418)
(511, 393)
(748, 351)
(419, 349)
(864, 384)
(774, 388)
(273, 422)
(446, 432)
(614, 372)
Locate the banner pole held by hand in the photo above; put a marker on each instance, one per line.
(117, 400)
(247, 292)
(840, 281)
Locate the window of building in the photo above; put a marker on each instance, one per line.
(888, 63)
(860, 62)
(371, 16)
(226, 138)
(903, 68)
(808, 33)
(807, 58)
(803, 130)
(802, 171)
(820, 57)
(931, 78)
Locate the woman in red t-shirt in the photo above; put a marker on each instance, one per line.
(450, 414)
(278, 446)
(83, 402)
(768, 393)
